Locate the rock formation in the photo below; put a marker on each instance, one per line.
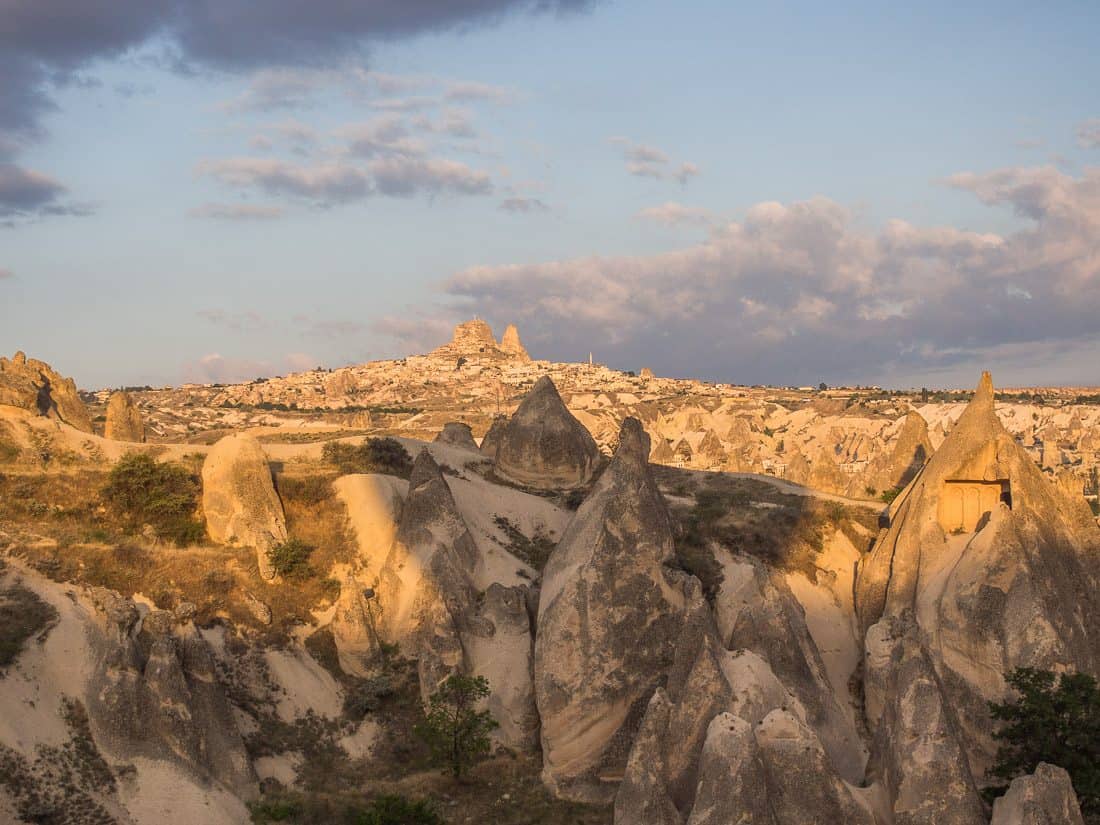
(512, 345)
(544, 445)
(732, 779)
(1045, 797)
(124, 421)
(473, 340)
(155, 694)
(609, 615)
(34, 385)
(996, 567)
(491, 442)
(457, 434)
(239, 499)
(895, 469)
(425, 589)
(500, 646)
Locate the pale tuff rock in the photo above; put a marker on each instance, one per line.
(239, 499)
(661, 452)
(457, 434)
(500, 647)
(732, 779)
(33, 385)
(609, 617)
(124, 421)
(910, 452)
(155, 694)
(917, 751)
(802, 785)
(491, 442)
(544, 446)
(1045, 797)
(642, 796)
(474, 341)
(512, 345)
(425, 588)
(646, 374)
(997, 565)
(757, 611)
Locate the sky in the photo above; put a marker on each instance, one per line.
(779, 193)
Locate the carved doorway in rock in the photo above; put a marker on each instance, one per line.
(964, 502)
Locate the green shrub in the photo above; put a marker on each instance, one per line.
(455, 731)
(141, 490)
(375, 455)
(888, 496)
(291, 559)
(390, 809)
(1053, 719)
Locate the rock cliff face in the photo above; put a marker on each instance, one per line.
(124, 422)
(34, 385)
(239, 499)
(994, 566)
(898, 467)
(491, 442)
(544, 446)
(155, 694)
(426, 591)
(609, 615)
(474, 341)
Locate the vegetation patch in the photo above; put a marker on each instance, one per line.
(291, 559)
(143, 491)
(1054, 719)
(23, 616)
(534, 550)
(375, 455)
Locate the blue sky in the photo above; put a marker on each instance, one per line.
(708, 188)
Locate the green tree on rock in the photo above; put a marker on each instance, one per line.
(455, 730)
(1053, 719)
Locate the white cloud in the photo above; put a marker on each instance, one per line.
(801, 291)
(645, 161)
(236, 212)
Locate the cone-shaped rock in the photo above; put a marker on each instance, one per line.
(34, 385)
(642, 796)
(997, 565)
(425, 590)
(732, 780)
(909, 453)
(512, 345)
(544, 446)
(609, 615)
(124, 421)
(457, 434)
(491, 442)
(239, 499)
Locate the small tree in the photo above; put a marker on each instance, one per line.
(291, 559)
(1054, 719)
(141, 490)
(453, 728)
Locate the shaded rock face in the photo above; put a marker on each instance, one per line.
(155, 693)
(732, 779)
(642, 795)
(802, 786)
(911, 451)
(757, 611)
(917, 748)
(544, 446)
(425, 588)
(457, 434)
(1045, 797)
(491, 442)
(34, 385)
(239, 498)
(609, 615)
(124, 422)
(512, 345)
(500, 646)
(995, 563)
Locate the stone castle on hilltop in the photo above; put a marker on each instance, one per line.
(474, 339)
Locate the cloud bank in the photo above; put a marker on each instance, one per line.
(800, 292)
